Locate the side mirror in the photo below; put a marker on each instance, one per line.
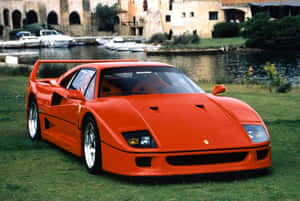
(75, 94)
(219, 89)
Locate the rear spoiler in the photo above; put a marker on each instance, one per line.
(36, 66)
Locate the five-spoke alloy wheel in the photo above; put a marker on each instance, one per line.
(34, 131)
(91, 146)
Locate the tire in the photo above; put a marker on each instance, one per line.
(34, 128)
(91, 146)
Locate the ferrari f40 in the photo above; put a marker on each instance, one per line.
(144, 119)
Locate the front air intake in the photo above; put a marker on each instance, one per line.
(205, 159)
(143, 161)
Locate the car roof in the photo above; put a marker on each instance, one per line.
(124, 64)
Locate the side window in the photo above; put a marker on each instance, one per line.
(90, 92)
(82, 80)
(67, 80)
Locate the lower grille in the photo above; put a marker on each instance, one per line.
(205, 159)
(261, 154)
(143, 161)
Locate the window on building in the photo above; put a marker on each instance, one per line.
(171, 4)
(183, 14)
(116, 20)
(168, 18)
(6, 17)
(192, 14)
(16, 19)
(145, 5)
(213, 15)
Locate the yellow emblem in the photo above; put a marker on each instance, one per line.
(205, 141)
(79, 108)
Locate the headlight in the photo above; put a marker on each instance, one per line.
(257, 133)
(139, 139)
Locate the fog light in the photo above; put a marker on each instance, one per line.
(133, 141)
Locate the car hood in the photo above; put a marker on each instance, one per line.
(181, 121)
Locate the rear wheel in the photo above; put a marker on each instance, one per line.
(34, 130)
(91, 146)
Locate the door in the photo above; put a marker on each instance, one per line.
(65, 111)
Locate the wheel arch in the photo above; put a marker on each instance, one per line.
(30, 97)
(84, 119)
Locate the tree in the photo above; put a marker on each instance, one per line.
(105, 17)
(264, 32)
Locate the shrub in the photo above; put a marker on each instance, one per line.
(281, 84)
(105, 17)
(186, 39)
(226, 29)
(159, 38)
(263, 32)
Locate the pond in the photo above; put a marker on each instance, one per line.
(226, 67)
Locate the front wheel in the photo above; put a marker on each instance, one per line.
(34, 130)
(91, 146)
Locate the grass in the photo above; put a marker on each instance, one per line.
(41, 171)
(209, 43)
(221, 42)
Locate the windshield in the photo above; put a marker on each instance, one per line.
(145, 80)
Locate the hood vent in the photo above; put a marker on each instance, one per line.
(155, 108)
(200, 106)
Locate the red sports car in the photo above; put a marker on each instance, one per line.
(144, 118)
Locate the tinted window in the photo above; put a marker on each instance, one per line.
(82, 80)
(90, 92)
(213, 15)
(145, 80)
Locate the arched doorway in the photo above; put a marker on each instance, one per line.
(116, 20)
(31, 17)
(52, 18)
(16, 19)
(74, 18)
(6, 17)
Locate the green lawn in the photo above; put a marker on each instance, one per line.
(209, 43)
(40, 171)
(221, 42)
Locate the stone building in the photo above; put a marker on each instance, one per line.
(140, 17)
(180, 16)
(74, 17)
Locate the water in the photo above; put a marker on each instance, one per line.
(219, 67)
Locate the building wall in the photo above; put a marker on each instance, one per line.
(192, 15)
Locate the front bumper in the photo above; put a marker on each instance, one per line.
(184, 163)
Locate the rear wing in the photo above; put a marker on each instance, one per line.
(36, 66)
